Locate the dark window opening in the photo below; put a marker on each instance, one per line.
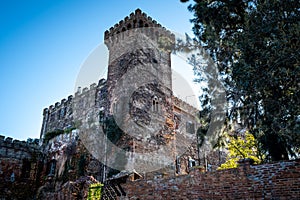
(141, 23)
(178, 166)
(52, 167)
(58, 114)
(101, 117)
(190, 127)
(192, 162)
(155, 105)
(26, 167)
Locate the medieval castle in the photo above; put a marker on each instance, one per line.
(127, 127)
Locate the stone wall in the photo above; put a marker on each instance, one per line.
(279, 180)
(62, 115)
(56, 169)
(19, 168)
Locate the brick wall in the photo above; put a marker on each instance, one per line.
(270, 181)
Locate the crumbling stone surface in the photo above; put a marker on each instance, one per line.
(18, 168)
(71, 190)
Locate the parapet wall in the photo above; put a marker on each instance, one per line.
(269, 181)
(61, 114)
(18, 167)
(184, 106)
(138, 19)
(16, 149)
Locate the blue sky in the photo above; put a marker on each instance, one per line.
(44, 43)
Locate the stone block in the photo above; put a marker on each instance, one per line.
(2, 137)
(8, 140)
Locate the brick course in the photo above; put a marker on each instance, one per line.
(269, 181)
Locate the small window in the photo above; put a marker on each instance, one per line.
(62, 112)
(155, 105)
(52, 167)
(190, 127)
(101, 116)
(58, 114)
(178, 166)
(192, 162)
(26, 167)
(52, 117)
(115, 108)
(12, 177)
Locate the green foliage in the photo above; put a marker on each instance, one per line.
(241, 148)
(69, 130)
(49, 135)
(95, 190)
(255, 45)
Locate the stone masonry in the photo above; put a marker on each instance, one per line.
(136, 110)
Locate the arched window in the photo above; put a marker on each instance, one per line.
(155, 104)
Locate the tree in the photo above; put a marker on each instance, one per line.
(241, 148)
(255, 44)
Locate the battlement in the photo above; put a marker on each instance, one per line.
(137, 21)
(16, 149)
(65, 102)
(184, 106)
(93, 86)
(60, 115)
(10, 142)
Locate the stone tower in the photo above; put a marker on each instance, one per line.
(139, 40)
(139, 82)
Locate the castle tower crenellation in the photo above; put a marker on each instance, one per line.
(138, 19)
(60, 115)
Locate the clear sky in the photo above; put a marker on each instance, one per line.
(43, 44)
